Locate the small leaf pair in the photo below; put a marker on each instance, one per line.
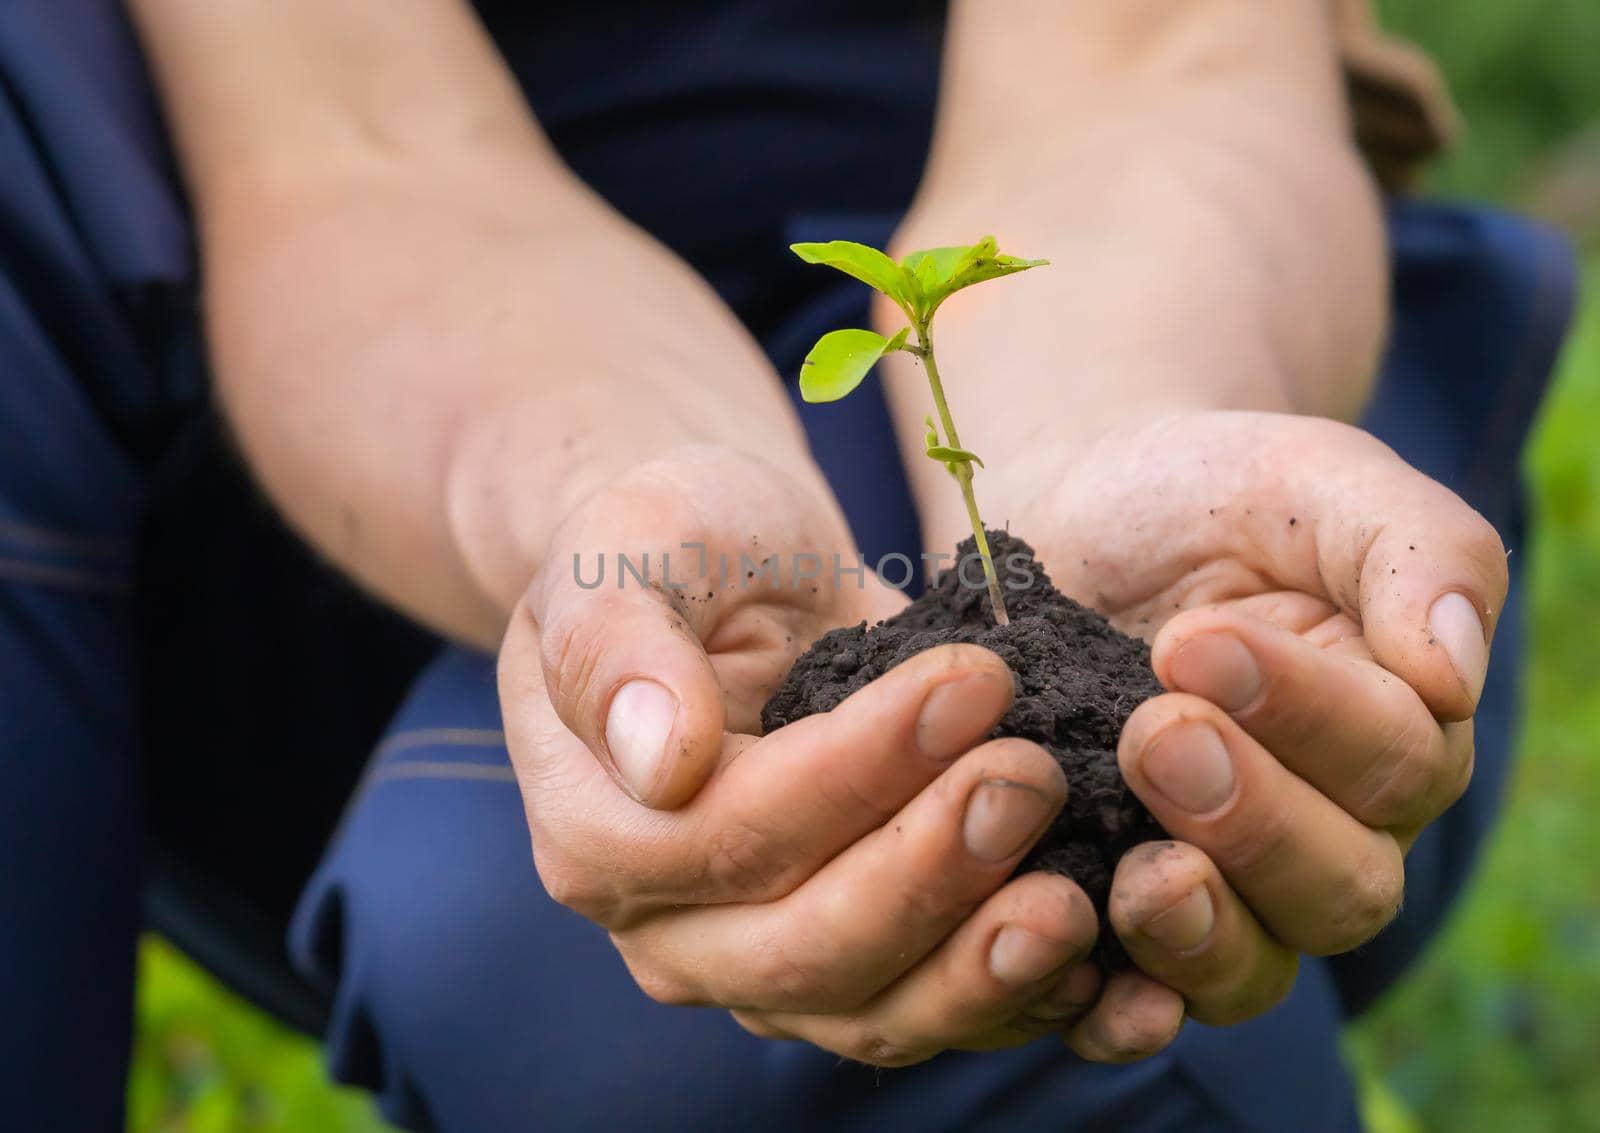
(949, 457)
(918, 284)
(923, 280)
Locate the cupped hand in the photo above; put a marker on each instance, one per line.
(842, 881)
(1321, 613)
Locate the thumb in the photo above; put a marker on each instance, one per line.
(628, 677)
(1429, 578)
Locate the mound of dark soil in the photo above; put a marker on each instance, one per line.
(1077, 681)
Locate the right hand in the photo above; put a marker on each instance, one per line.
(841, 881)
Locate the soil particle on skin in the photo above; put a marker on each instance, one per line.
(1077, 682)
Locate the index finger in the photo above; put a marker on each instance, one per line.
(776, 809)
(1423, 573)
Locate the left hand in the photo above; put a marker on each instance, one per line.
(1321, 613)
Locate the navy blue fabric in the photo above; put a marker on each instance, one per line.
(70, 498)
(468, 1000)
(459, 991)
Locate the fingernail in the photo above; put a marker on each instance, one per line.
(945, 726)
(1218, 667)
(1020, 956)
(637, 728)
(1458, 630)
(1184, 925)
(1003, 818)
(1190, 766)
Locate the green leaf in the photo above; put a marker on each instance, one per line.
(953, 455)
(935, 265)
(869, 265)
(841, 359)
(985, 261)
(941, 272)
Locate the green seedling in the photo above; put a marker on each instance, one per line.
(918, 284)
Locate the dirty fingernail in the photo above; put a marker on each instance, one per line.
(1190, 765)
(1003, 818)
(1184, 925)
(1456, 627)
(1218, 667)
(1020, 956)
(637, 728)
(954, 716)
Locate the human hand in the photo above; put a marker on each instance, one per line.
(842, 881)
(1321, 612)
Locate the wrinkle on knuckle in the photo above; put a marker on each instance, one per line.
(759, 1026)
(1366, 905)
(742, 861)
(931, 899)
(1405, 775)
(1463, 778)
(579, 647)
(853, 799)
(1485, 546)
(1259, 991)
(869, 1045)
(1287, 704)
(1252, 843)
(1129, 1040)
(792, 980)
(582, 890)
(662, 986)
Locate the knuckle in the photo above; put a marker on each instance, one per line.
(1287, 705)
(663, 987)
(1411, 770)
(1465, 765)
(742, 862)
(852, 796)
(1258, 993)
(758, 1025)
(1253, 843)
(870, 1045)
(1130, 1040)
(1365, 905)
(1486, 547)
(574, 648)
(581, 890)
(792, 981)
(931, 899)
(939, 886)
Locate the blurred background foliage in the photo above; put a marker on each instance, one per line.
(1498, 1030)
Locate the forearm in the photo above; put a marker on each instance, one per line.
(1215, 241)
(431, 345)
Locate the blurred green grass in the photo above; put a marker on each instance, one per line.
(204, 1062)
(1498, 1030)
